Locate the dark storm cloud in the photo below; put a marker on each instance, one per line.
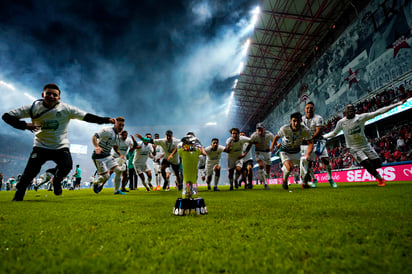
(154, 62)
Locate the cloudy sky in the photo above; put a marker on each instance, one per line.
(160, 64)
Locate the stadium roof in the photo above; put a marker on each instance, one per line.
(288, 38)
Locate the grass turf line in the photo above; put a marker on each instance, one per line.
(357, 227)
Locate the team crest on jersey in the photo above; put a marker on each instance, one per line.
(52, 124)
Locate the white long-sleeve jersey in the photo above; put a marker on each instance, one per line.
(354, 129)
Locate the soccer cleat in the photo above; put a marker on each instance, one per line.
(168, 188)
(147, 189)
(305, 185)
(97, 188)
(208, 187)
(57, 188)
(216, 189)
(285, 185)
(36, 188)
(158, 188)
(266, 186)
(381, 182)
(315, 183)
(231, 188)
(332, 183)
(124, 190)
(119, 192)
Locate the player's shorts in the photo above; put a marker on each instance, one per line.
(247, 163)
(323, 154)
(234, 162)
(293, 157)
(264, 156)
(361, 155)
(157, 168)
(210, 167)
(202, 172)
(122, 163)
(141, 167)
(105, 164)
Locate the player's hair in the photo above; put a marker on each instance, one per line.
(234, 129)
(190, 133)
(296, 115)
(310, 103)
(156, 134)
(215, 139)
(120, 119)
(148, 134)
(124, 131)
(51, 86)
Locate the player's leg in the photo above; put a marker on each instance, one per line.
(217, 176)
(63, 159)
(33, 167)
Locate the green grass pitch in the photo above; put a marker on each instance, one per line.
(356, 228)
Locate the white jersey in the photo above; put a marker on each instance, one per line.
(236, 148)
(107, 138)
(53, 122)
(354, 129)
(312, 123)
(141, 154)
(168, 148)
(249, 155)
(262, 144)
(214, 155)
(159, 153)
(123, 146)
(292, 140)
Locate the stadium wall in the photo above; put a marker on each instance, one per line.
(373, 53)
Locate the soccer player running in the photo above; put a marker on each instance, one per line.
(171, 158)
(157, 159)
(124, 144)
(314, 123)
(49, 120)
(142, 151)
(234, 148)
(292, 136)
(247, 167)
(105, 163)
(353, 126)
(213, 155)
(45, 178)
(261, 139)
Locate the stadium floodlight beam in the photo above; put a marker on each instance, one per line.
(241, 67)
(255, 17)
(29, 96)
(235, 84)
(7, 85)
(246, 47)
